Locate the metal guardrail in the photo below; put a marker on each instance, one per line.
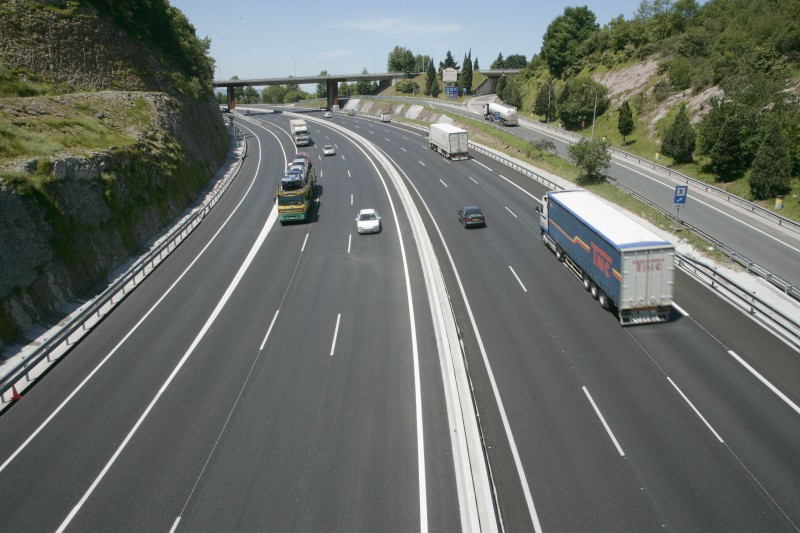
(137, 274)
(780, 324)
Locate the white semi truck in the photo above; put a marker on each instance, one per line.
(623, 264)
(300, 133)
(449, 140)
(500, 113)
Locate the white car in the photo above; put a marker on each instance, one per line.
(368, 221)
(327, 114)
(328, 149)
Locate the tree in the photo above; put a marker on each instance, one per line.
(448, 62)
(322, 88)
(625, 123)
(512, 96)
(726, 156)
(421, 63)
(364, 86)
(430, 79)
(544, 104)
(561, 44)
(465, 81)
(576, 103)
(475, 64)
(771, 173)
(515, 61)
(435, 88)
(249, 96)
(500, 90)
(499, 62)
(400, 60)
(273, 94)
(592, 159)
(679, 139)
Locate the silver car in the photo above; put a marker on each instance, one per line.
(328, 149)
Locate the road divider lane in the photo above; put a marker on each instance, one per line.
(517, 277)
(335, 333)
(695, 410)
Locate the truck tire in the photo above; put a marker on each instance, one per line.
(603, 299)
(544, 239)
(559, 254)
(595, 291)
(587, 283)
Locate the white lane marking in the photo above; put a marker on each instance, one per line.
(335, 333)
(342, 156)
(351, 198)
(698, 200)
(303, 248)
(348, 172)
(526, 489)
(403, 149)
(603, 420)
(443, 183)
(680, 309)
(763, 380)
(695, 410)
(149, 311)
(387, 140)
(349, 242)
(473, 179)
(481, 164)
(512, 212)
(518, 280)
(518, 187)
(405, 138)
(269, 330)
(225, 297)
(421, 163)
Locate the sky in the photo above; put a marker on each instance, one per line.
(265, 39)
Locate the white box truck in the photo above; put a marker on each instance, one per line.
(449, 140)
(623, 264)
(300, 133)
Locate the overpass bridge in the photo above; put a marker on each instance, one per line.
(332, 81)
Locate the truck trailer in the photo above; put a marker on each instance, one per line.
(500, 113)
(300, 133)
(449, 140)
(623, 264)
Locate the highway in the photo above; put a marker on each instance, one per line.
(271, 377)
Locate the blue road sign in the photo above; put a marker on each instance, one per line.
(680, 195)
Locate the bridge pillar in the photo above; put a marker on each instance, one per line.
(231, 98)
(333, 93)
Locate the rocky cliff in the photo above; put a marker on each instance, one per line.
(71, 211)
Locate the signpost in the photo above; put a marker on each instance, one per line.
(680, 199)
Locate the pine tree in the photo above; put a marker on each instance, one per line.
(727, 161)
(545, 101)
(500, 91)
(475, 64)
(679, 140)
(771, 172)
(430, 78)
(625, 124)
(466, 74)
(449, 62)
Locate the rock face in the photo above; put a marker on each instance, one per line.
(82, 212)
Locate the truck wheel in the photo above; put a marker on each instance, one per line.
(603, 299)
(595, 291)
(559, 254)
(544, 239)
(587, 283)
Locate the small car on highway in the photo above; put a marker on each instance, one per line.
(328, 149)
(327, 114)
(471, 216)
(368, 221)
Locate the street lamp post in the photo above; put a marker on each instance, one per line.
(594, 113)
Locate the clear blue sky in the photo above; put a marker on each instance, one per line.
(257, 38)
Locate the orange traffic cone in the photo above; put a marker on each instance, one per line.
(15, 395)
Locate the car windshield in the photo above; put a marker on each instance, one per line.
(328, 148)
(472, 212)
(367, 216)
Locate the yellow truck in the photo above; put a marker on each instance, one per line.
(294, 203)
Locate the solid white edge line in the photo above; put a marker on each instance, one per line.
(763, 380)
(225, 297)
(175, 525)
(146, 315)
(680, 309)
(603, 420)
(335, 333)
(518, 280)
(695, 410)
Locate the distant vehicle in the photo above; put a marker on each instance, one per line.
(368, 221)
(386, 117)
(328, 149)
(449, 140)
(621, 263)
(246, 111)
(500, 113)
(471, 216)
(349, 112)
(304, 155)
(295, 194)
(327, 114)
(300, 133)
